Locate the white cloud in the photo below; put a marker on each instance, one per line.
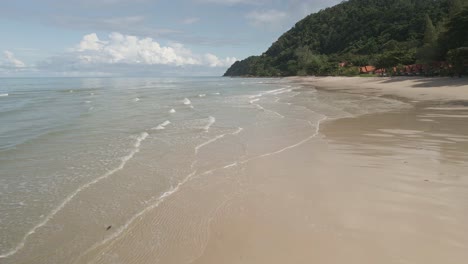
(11, 61)
(130, 55)
(90, 42)
(119, 48)
(213, 61)
(269, 18)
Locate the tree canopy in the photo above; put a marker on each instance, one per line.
(362, 32)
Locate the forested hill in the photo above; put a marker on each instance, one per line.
(360, 32)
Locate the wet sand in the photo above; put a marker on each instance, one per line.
(379, 188)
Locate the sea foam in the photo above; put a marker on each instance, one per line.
(211, 121)
(162, 125)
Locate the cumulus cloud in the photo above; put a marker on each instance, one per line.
(125, 54)
(11, 61)
(213, 61)
(119, 48)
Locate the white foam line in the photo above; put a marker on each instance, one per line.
(125, 159)
(197, 148)
(268, 110)
(276, 113)
(230, 165)
(276, 91)
(255, 96)
(162, 126)
(3, 95)
(201, 95)
(211, 121)
(283, 91)
(237, 131)
(292, 146)
(259, 107)
(254, 100)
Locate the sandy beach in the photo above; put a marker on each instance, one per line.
(383, 180)
(416, 88)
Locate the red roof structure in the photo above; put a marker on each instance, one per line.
(367, 69)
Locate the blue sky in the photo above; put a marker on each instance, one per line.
(140, 37)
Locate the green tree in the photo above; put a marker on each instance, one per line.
(457, 30)
(430, 33)
(455, 6)
(458, 58)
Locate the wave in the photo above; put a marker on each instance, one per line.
(187, 101)
(211, 121)
(124, 160)
(237, 131)
(197, 148)
(274, 92)
(282, 91)
(172, 111)
(162, 125)
(317, 131)
(136, 99)
(230, 165)
(3, 95)
(256, 96)
(201, 95)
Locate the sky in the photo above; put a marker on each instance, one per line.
(140, 37)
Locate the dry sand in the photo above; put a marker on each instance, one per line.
(416, 88)
(379, 188)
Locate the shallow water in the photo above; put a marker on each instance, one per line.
(80, 155)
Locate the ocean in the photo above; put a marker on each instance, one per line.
(83, 159)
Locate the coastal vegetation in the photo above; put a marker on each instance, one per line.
(391, 36)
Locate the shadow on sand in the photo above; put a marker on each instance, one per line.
(425, 82)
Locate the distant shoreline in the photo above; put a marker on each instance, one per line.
(415, 88)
